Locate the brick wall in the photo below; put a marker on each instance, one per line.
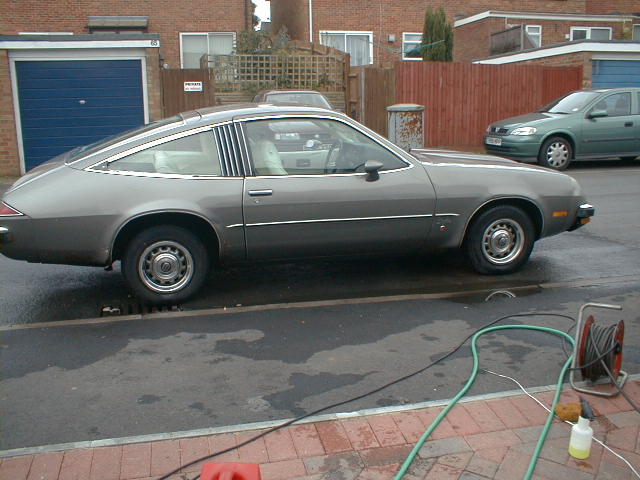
(166, 17)
(612, 6)
(473, 40)
(383, 17)
(9, 160)
(570, 60)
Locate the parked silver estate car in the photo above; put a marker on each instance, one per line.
(245, 183)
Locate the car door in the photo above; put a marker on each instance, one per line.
(308, 195)
(612, 134)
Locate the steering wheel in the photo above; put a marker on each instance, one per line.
(330, 167)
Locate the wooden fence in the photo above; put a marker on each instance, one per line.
(178, 97)
(462, 99)
(372, 90)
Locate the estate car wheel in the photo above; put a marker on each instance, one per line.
(165, 264)
(500, 240)
(556, 153)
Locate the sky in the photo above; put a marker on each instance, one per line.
(262, 9)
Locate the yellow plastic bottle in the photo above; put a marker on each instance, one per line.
(581, 437)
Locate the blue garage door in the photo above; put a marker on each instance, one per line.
(64, 104)
(616, 73)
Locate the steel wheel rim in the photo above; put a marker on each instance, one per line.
(165, 267)
(502, 241)
(557, 154)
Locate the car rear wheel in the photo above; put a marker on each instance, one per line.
(165, 264)
(556, 153)
(500, 240)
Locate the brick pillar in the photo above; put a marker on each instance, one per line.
(154, 85)
(9, 157)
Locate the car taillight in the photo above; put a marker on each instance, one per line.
(6, 211)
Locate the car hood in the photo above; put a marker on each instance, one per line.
(452, 157)
(534, 118)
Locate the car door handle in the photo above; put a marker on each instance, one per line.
(628, 124)
(260, 193)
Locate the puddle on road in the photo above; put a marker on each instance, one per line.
(495, 295)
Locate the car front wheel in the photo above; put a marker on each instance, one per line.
(500, 240)
(556, 153)
(165, 264)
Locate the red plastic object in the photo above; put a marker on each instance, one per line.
(230, 471)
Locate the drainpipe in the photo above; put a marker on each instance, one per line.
(311, 21)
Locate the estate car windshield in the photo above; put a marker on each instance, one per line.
(312, 99)
(570, 103)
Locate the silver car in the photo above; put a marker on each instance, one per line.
(243, 183)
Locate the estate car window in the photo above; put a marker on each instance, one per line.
(309, 146)
(192, 155)
(616, 105)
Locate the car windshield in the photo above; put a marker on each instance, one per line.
(87, 150)
(570, 103)
(313, 99)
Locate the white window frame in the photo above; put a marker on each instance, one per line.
(537, 35)
(635, 32)
(185, 34)
(351, 32)
(412, 42)
(588, 30)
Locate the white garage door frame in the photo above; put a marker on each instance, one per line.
(52, 54)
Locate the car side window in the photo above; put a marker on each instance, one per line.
(616, 105)
(310, 146)
(191, 155)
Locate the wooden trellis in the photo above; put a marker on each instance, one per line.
(234, 73)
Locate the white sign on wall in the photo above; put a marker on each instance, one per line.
(192, 86)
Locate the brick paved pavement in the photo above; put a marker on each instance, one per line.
(491, 439)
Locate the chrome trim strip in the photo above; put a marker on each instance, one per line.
(163, 175)
(229, 144)
(243, 150)
(3, 230)
(236, 225)
(447, 215)
(224, 157)
(328, 220)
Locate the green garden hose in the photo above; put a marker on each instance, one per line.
(534, 459)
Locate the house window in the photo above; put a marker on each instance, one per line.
(194, 45)
(590, 33)
(534, 34)
(357, 44)
(410, 41)
(636, 32)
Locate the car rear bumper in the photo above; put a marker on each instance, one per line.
(583, 216)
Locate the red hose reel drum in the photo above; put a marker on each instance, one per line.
(616, 365)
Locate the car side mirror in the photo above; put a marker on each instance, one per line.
(371, 168)
(598, 114)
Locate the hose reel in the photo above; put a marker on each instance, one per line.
(597, 352)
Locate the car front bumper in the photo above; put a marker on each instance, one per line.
(583, 216)
(523, 148)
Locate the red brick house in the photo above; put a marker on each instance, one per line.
(73, 72)
(378, 31)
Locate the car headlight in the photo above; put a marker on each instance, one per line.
(524, 131)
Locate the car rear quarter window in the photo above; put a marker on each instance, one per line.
(191, 155)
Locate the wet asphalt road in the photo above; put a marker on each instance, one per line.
(152, 374)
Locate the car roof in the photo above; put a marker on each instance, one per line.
(228, 112)
(266, 92)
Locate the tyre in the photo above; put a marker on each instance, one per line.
(500, 240)
(165, 264)
(556, 153)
